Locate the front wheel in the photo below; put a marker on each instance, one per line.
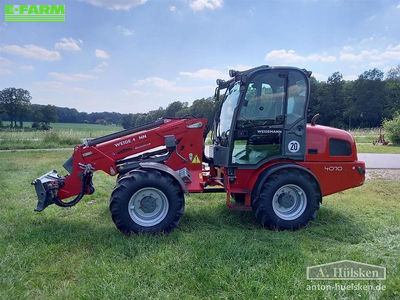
(289, 199)
(146, 201)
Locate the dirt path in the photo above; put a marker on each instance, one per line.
(382, 174)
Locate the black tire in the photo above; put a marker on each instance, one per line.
(278, 182)
(239, 198)
(138, 181)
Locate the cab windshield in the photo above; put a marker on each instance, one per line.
(227, 110)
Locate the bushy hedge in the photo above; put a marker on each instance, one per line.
(392, 128)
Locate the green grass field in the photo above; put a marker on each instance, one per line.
(62, 135)
(214, 253)
(364, 139)
(67, 135)
(369, 148)
(365, 135)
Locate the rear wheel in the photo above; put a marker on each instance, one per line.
(146, 201)
(289, 199)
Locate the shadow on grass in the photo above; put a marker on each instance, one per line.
(330, 226)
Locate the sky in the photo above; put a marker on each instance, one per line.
(133, 56)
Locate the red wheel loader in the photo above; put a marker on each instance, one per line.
(264, 156)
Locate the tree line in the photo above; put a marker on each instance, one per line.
(361, 103)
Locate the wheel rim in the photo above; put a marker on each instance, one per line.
(289, 202)
(148, 206)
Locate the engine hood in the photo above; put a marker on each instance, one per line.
(326, 143)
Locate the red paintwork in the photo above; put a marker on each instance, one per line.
(105, 155)
(334, 174)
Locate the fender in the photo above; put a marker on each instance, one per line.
(269, 171)
(168, 170)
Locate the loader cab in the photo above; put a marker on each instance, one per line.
(261, 117)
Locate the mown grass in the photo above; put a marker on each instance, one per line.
(365, 135)
(370, 148)
(62, 135)
(214, 253)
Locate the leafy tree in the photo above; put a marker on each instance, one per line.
(204, 108)
(374, 74)
(394, 73)
(174, 107)
(127, 121)
(392, 92)
(50, 114)
(368, 99)
(15, 102)
(43, 115)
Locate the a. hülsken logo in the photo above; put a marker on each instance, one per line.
(346, 270)
(35, 13)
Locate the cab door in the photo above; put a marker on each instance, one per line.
(270, 122)
(294, 134)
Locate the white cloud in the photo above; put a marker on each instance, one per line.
(49, 85)
(167, 85)
(101, 54)
(198, 5)
(391, 53)
(4, 61)
(124, 31)
(283, 55)
(350, 77)
(116, 4)
(68, 44)
(366, 40)
(172, 8)
(134, 93)
(72, 77)
(27, 67)
(348, 48)
(205, 74)
(351, 56)
(375, 64)
(100, 67)
(159, 83)
(322, 58)
(61, 87)
(398, 6)
(290, 56)
(5, 71)
(240, 67)
(319, 76)
(32, 51)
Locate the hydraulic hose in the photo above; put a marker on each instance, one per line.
(86, 182)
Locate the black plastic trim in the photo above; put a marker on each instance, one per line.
(268, 172)
(168, 170)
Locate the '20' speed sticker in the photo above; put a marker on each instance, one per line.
(294, 146)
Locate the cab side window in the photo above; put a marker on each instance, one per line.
(296, 102)
(264, 98)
